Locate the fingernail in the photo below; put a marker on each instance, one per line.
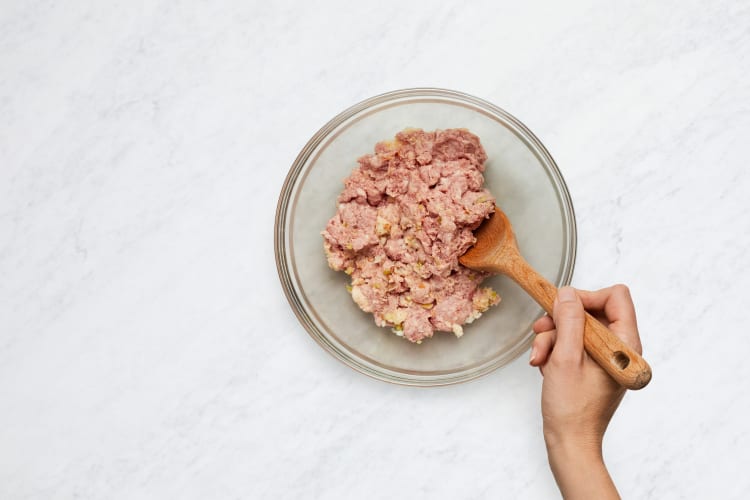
(566, 294)
(533, 354)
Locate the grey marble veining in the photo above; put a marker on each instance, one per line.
(146, 348)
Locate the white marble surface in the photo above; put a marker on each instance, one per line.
(146, 348)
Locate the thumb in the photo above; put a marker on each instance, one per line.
(569, 318)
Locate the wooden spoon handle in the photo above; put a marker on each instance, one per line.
(617, 358)
(620, 361)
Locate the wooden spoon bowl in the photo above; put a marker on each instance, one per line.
(496, 251)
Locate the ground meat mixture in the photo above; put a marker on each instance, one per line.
(404, 217)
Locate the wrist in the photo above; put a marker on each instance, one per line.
(582, 452)
(584, 448)
(572, 432)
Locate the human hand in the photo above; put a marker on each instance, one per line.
(578, 397)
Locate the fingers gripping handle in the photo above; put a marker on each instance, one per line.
(619, 360)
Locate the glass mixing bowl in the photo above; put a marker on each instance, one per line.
(519, 172)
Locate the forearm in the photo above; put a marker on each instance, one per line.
(580, 472)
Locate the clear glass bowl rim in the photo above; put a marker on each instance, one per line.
(280, 247)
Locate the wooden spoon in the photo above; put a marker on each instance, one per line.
(496, 251)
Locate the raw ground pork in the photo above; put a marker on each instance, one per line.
(404, 217)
